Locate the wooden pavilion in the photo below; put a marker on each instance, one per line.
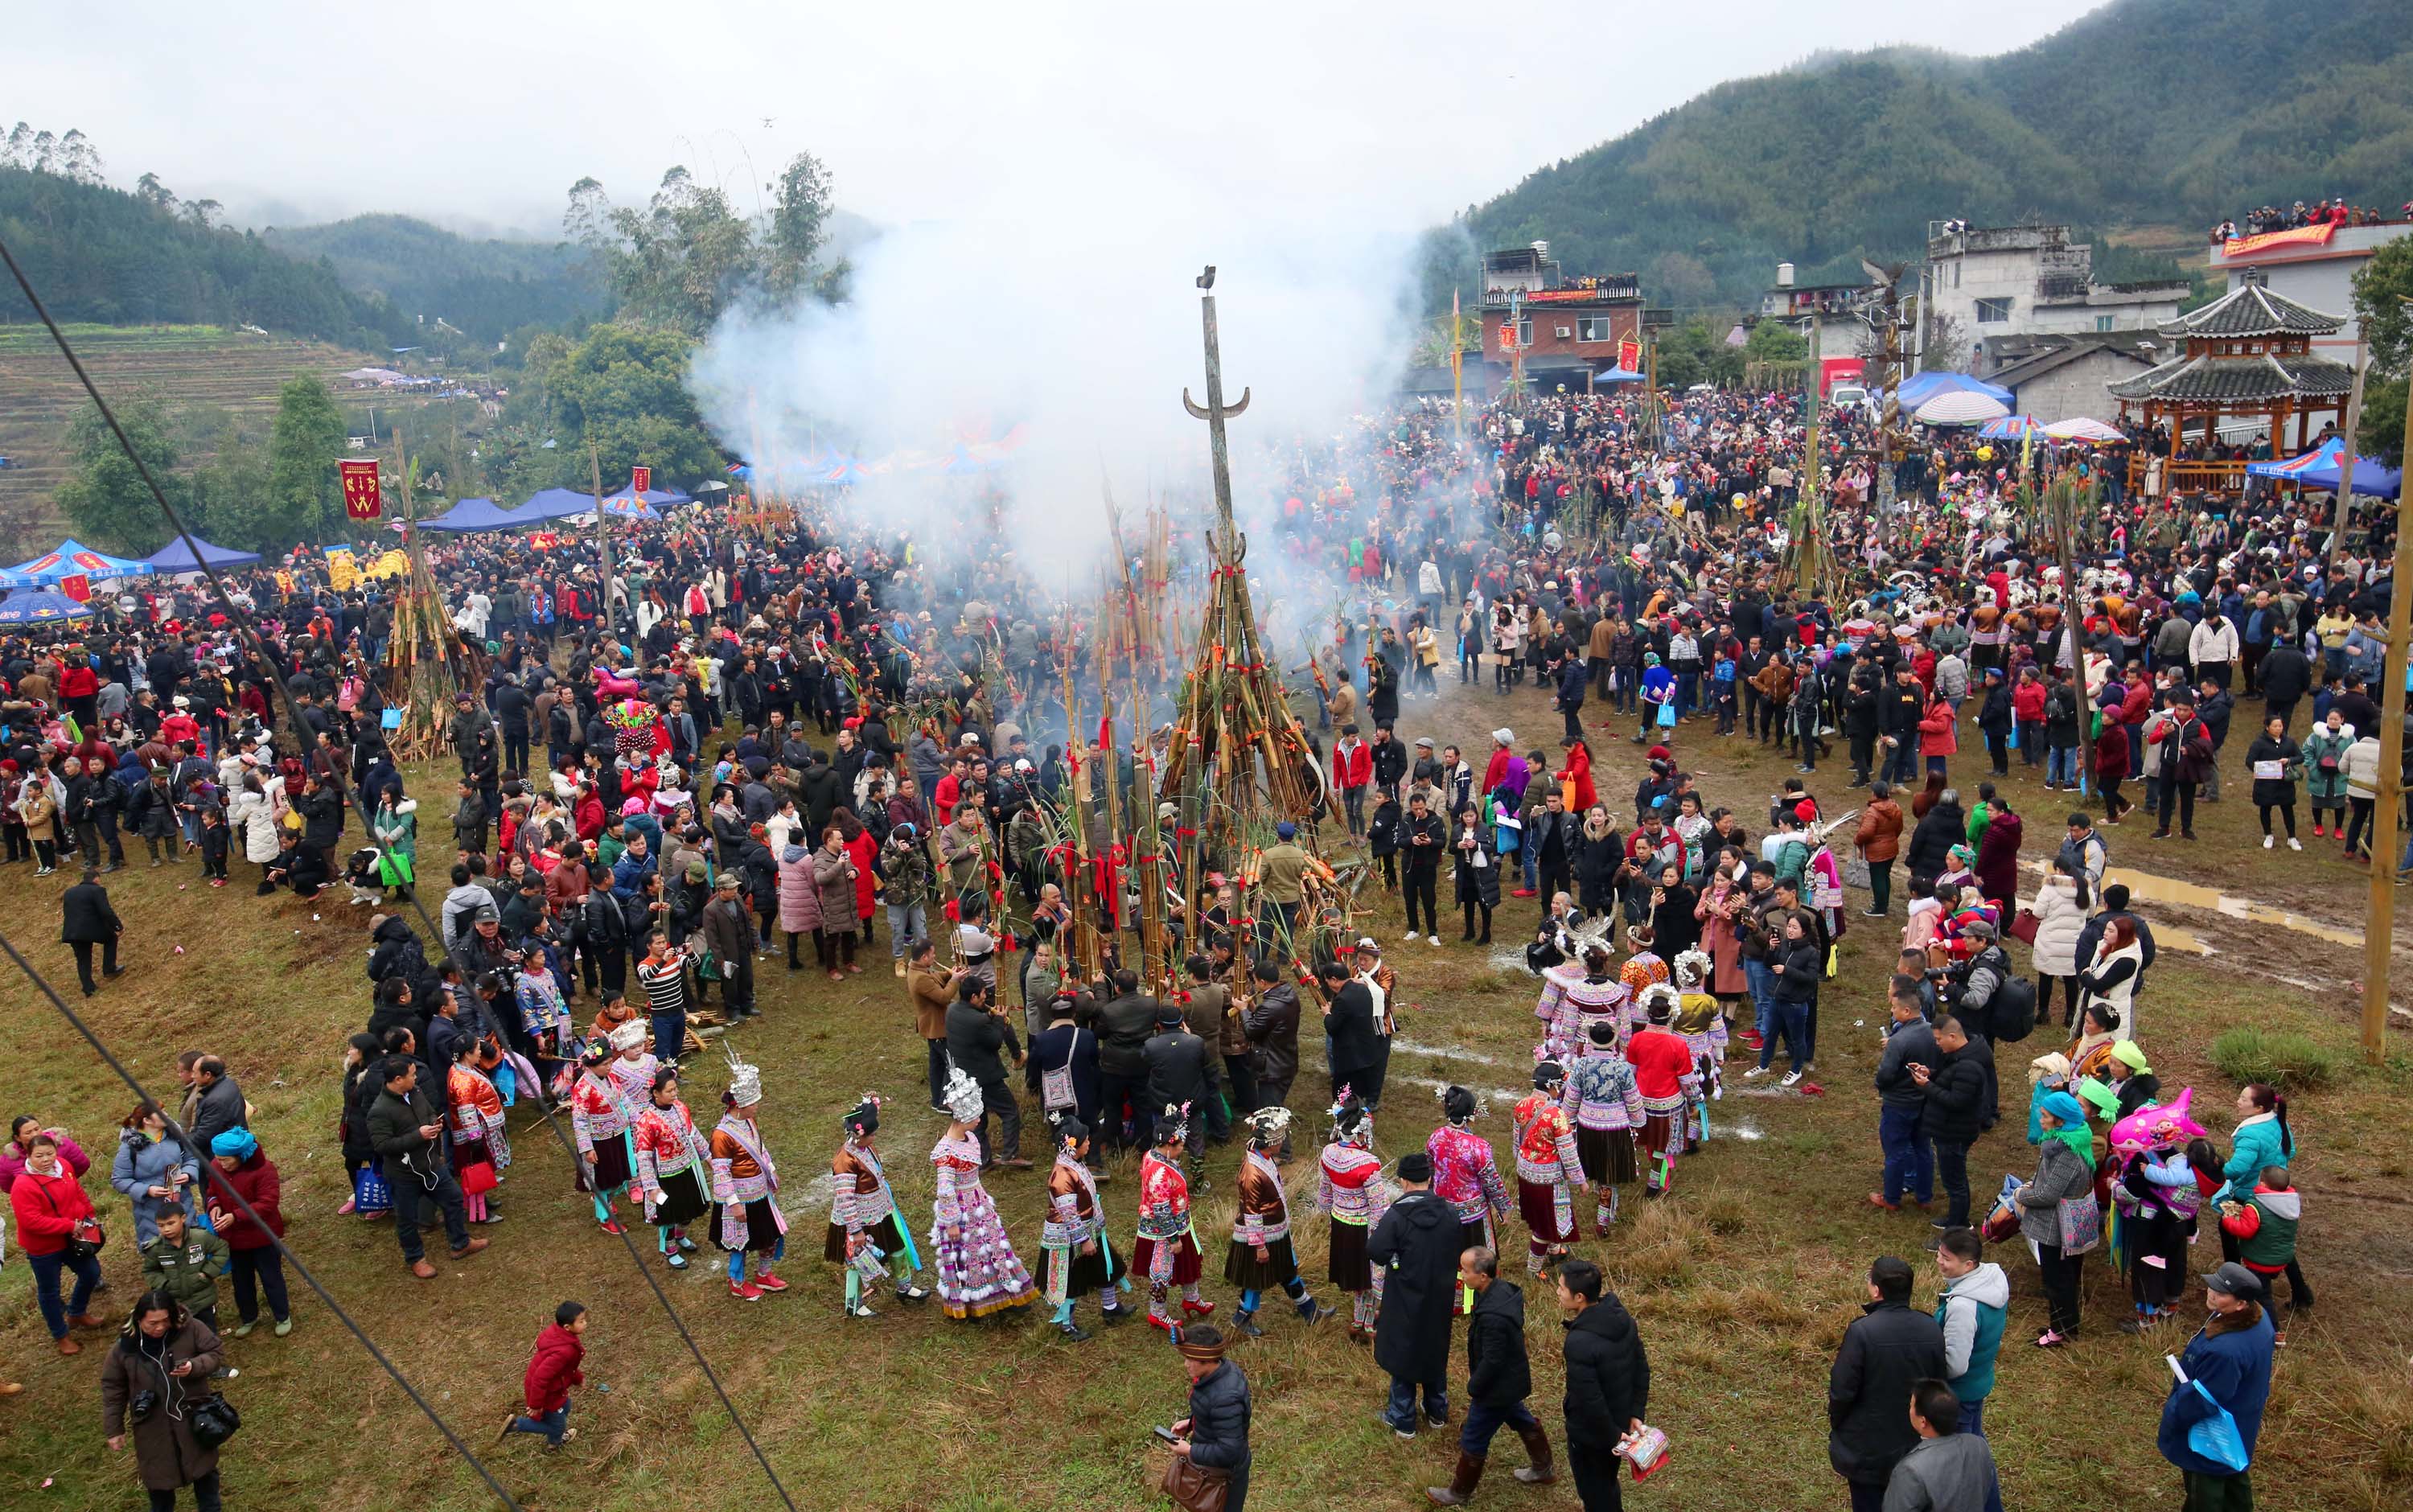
(2246, 356)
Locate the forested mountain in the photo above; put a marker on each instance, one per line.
(485, 289)
(2146, 113)
(106, 254)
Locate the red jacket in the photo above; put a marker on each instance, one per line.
(255, 1182)
(2112, 752)
(46, 1208)
(1354, 767)
(2027, 703)
(1937, 733)
(553, 1370)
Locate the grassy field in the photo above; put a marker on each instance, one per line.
(203, 369)
(1742, 1282)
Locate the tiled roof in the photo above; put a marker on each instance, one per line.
(2239, 381)
(2254, 310)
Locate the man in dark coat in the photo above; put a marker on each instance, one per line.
(976, 1032)
(1215, 1435)
(86, 918)
(1269, 1017)
(1350, 1027)
(1609, 1382)
(1955, 1114)
(1886, 1353)
(1417, 1244)
(407, 1130)
(1499, 1378)
(2286, 674)
(1124, 1025)
(1182, 1071)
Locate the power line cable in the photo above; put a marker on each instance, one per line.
(266, 664)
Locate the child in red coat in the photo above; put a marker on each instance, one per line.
(553, 1370)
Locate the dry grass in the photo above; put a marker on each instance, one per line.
(1743, 1280)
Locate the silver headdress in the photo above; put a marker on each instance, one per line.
(744, 1082)
(1269, 1124)
(1691, 968)
(629, 1035)
(962, 1096)
(1660, 1001)
(1173, 1124)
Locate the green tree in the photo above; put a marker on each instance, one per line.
(2380, 290)
(305, 499)
(623, 390)
(231, 493)
(104, 497)
(799, 225)
(2381, 434)
(677, 262)
(1773, 341)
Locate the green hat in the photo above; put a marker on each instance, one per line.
(695, 871)
(2104, 1099)
(2130, 1054)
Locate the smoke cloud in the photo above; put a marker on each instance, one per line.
(1073, 315)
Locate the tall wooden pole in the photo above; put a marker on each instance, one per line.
(2379, 925)
(602, 539)
(2345, 458)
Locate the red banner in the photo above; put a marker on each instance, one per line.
(1508, 338)
(2239, 246)
(641, 479)
(1629, 355)
(78, 587)
(362, 499)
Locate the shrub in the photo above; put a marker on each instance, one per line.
(2289, 1061)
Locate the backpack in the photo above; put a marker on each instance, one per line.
(2012, 1012)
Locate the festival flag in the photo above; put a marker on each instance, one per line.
(641, 481)
(1629, 355)
(78, 587)
(361, 497)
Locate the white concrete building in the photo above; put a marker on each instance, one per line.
(2033, 280)
(2313, 265)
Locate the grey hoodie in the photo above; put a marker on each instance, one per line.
(1986, 1286)
(1950, 1473)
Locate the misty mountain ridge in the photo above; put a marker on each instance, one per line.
(2144, 113)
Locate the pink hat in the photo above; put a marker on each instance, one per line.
(634, 806)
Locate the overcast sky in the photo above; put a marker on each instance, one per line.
(1401, 113)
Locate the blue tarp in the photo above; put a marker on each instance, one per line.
(472, 514)
(176, 557)
(39, 607)
(70, 559)
(1618, 375)
(2319, 468)
(1917, 390)
(555, 504)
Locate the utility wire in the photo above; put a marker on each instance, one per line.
(176, 1131)
(354, 801)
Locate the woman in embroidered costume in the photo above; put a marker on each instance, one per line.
(1166, 1251)
(1665, 1075)
(1606, 1108)
(1466, 1175)
(747, 1185)
(1549, 1171)
(670, 1157)
(599, 1116)
(1079, 1257)
(1701, 1024)
(478, 1147)
(1349, 1188)
(1572, 998)
(633, 1065)
(1642, 969)
(865, 1236)
(1260, 1255)
(979, 1273)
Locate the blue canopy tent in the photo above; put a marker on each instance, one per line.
(41, 606)
(2320, 467)
(554, 504)
(1915, 390)
(175, 556)
(626, 505)
(473, 514)
(70, 559)
(1619, 375)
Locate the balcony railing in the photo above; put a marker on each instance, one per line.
(2187, 477)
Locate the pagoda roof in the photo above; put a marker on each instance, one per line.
(2252, 310)
(2241, 381)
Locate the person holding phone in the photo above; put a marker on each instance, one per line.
(1215, 1436)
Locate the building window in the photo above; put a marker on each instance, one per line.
(2103, 322)
(1525, 332)
(1595, 327)
(1993, 311)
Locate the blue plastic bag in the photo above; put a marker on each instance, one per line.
(1667, 714)
(2215, 1437)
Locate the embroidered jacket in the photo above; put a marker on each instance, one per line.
(1465, 1174)
(1071, 1204)
(956, 1166)
(741, 1171)
(1163, 1200)
(1570, 1002)
(1347, 1184)
(1545, 1142)
(635, 1079)
(477, 1108)
(860, 1197)
(542, 1009)
(599, 1110)
(667, 1144)
(1600, 1092)
(1263, 1215)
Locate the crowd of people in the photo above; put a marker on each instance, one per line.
(808, 733)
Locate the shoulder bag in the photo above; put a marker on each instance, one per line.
(86, 1238)
(1194, 1487)
(2081, 1225)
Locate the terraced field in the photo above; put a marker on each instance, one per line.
(212, 367)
